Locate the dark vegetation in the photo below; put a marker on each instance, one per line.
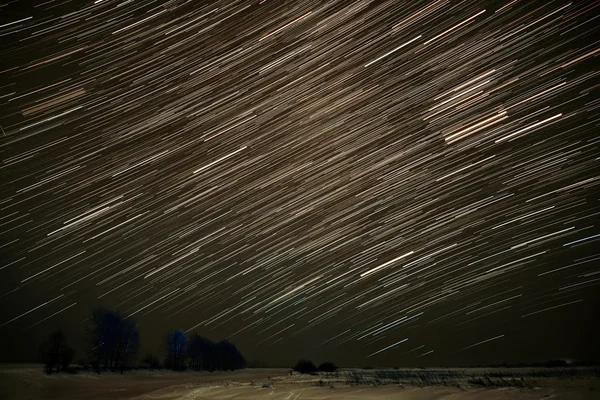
(114, 342)
(305, 367)
(55, 354)
(198, 353)
(327, 367)
(492, 378)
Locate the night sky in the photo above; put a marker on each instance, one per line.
(370, 182)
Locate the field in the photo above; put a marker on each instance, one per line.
(29, 382)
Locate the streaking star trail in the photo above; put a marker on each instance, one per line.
(395, 182)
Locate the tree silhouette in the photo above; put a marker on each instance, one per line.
(176, 349)
(327, 367)
(305, 367)
(227, 356)
(201, 352)
(55, 353)
(114, 340)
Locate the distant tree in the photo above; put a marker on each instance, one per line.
(55, 353)
(151, 361)
(114, 340)
(327, 367)
(305, 367)
(228, 357)
(176, 350)
(201, 352)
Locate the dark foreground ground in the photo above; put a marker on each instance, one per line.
(29, 382)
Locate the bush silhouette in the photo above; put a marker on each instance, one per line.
(305, 367)
(327, 367)
(55, 353)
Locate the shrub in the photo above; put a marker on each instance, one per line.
(305, 367)
(327, 367)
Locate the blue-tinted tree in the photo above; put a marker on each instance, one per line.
(114, 339)
(176, 350)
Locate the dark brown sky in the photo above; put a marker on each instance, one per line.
(368, 182)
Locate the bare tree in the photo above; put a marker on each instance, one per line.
(114, 339)
(55, 353)
(176, 349)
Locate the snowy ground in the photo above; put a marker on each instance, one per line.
(29, 382)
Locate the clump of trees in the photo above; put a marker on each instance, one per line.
(176, 348)
(327, 367)
(305, 367)
(199, 353)
(115, 340)
(114, 344)
(55, 353)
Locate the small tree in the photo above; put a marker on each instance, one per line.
(55, 353)
(327, 367)
(305, 367)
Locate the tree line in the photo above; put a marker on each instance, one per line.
(113, 344)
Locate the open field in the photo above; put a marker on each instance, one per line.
(29, 382)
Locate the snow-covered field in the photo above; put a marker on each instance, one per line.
(29, 382)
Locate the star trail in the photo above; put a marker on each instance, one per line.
(389, 181)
